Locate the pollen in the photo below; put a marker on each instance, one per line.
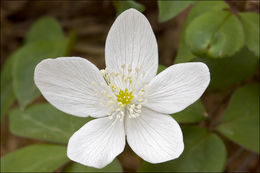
(124, 97)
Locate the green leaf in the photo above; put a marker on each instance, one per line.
(184, 54)
(75, 167)
(170, 9)
(35, 158)
(218, 39)
(250, 22)
(46, 28)
(203, 152)
(7, 93)
(126, 4)
(161, 68)
(44, 122)
(229, 71)
(206, 6)
(192, 114)
(26, 60)
(240, 122)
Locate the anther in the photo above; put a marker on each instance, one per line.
(129, 69)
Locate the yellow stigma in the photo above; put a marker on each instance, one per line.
(124, 97)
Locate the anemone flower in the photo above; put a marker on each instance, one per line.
(129, 101)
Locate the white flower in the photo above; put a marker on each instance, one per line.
(127, 98)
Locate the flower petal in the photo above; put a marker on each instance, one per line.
(97, 143)
(155, 137)
(73, 85)
(131, 41)
(177, 87)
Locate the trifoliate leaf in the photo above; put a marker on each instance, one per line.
(44, 122)
(7, 93)
(26, 60)
(46, 28)
(250, 23)
(231, 70)
(218, 39)
(169, 9)
(35, 158)
(184, 54)
(240, 122)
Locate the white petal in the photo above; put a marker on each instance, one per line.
(97, 143)
(177, 87)
(73, 85)
(155, 137)
(131, 41)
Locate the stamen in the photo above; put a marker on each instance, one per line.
(129, 69)
(128, 87)
(134, 110)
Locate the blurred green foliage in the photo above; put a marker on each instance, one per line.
(231, 70)
(49, 125)
(35, 158)
(75, 167)
(161, 68)
(44, 40)
(184, 53)
(46, 28)
(218, 39)
(192, 114)
(240, 122)
(7, 93)
(26, 59)
(251, 28)
(228, 43)
(169, 9)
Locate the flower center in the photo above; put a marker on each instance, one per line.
(124, 97)
(128, 87)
